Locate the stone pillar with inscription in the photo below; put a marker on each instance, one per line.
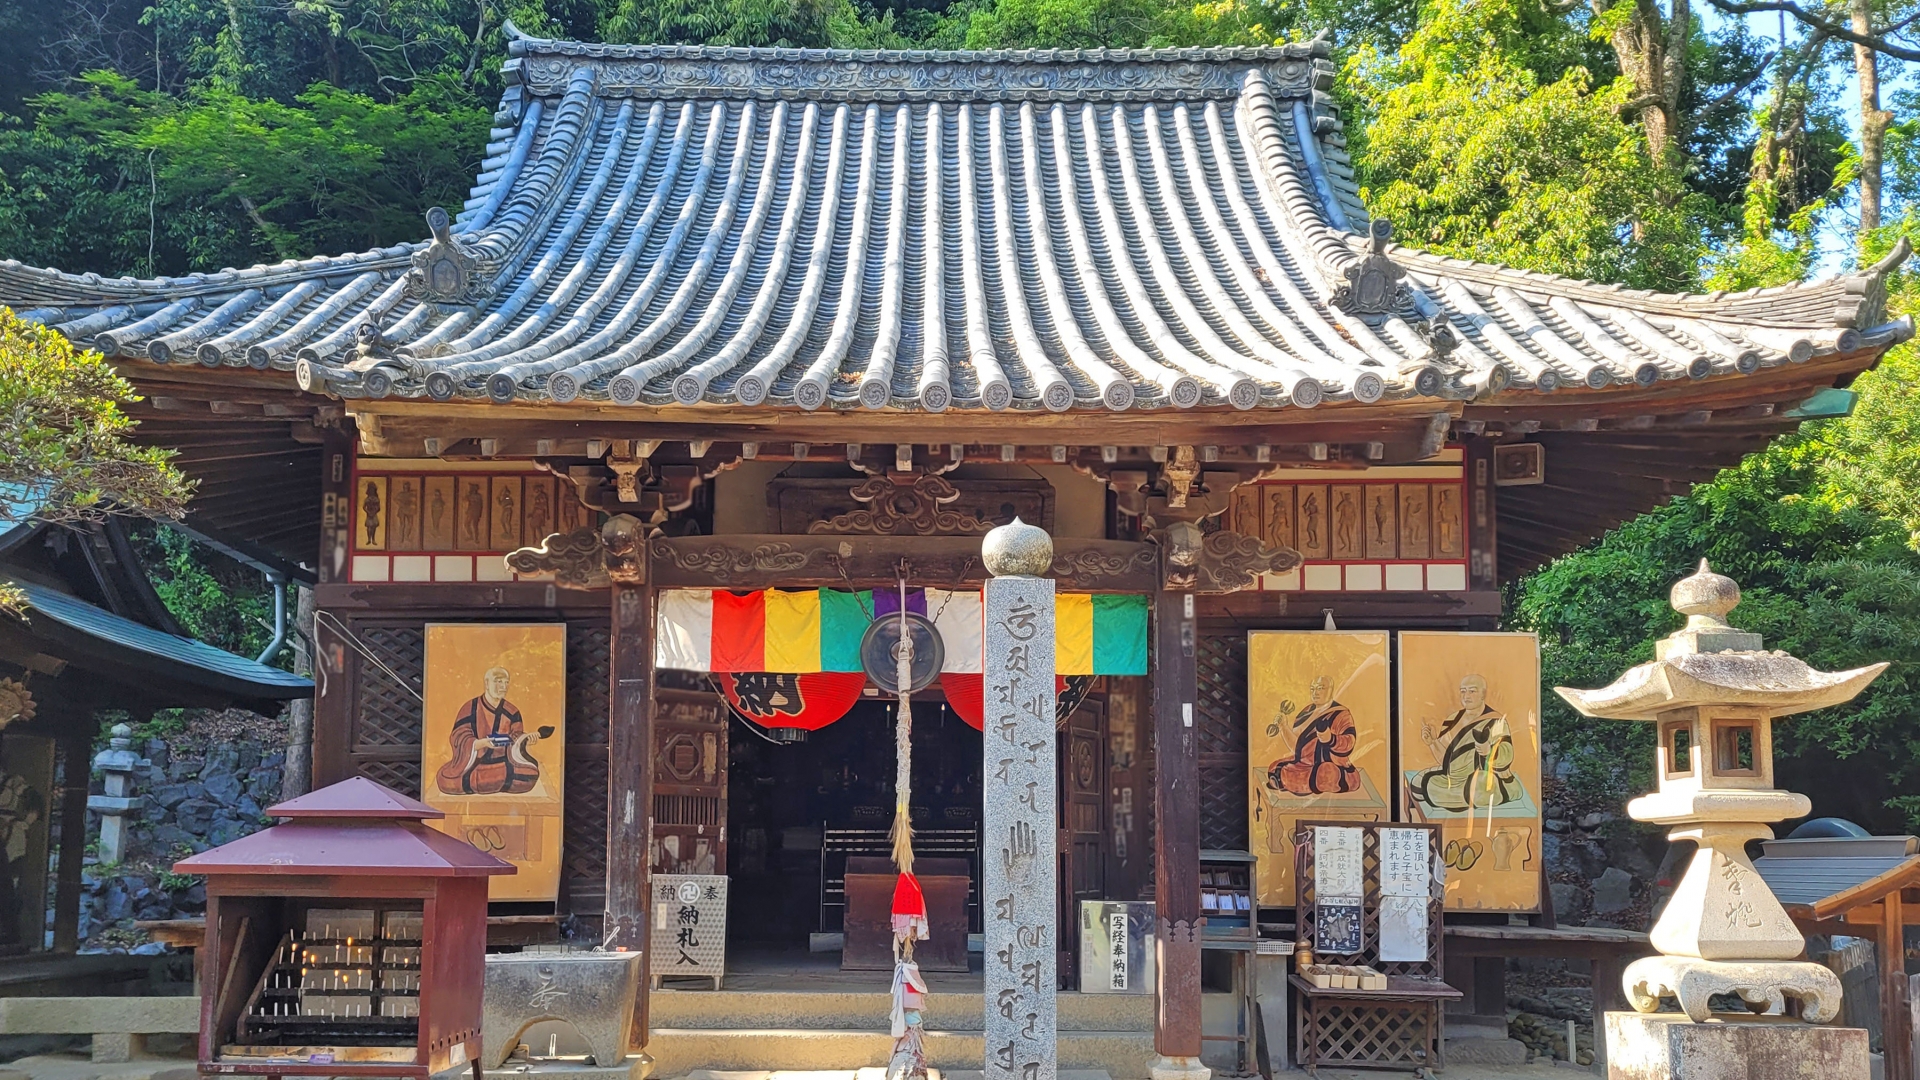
(1019, 819)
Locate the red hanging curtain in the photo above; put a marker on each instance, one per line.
(963, 694)
(807, 700)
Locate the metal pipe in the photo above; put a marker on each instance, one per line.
(279, 583)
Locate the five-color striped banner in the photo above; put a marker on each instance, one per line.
(803, 630)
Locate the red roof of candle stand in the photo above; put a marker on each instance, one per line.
(353, 827)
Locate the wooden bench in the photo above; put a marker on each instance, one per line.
(119, 1025)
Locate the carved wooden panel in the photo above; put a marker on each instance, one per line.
(1221, 728)
(874, 505)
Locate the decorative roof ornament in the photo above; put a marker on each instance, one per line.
(1374, 284)
(445, 270)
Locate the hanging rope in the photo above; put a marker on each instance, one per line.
(909, 1059)
(902, 744)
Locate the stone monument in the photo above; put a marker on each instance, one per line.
(1018, 819)
(1714, 692)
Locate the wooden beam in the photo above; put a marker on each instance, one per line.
(1176, 838)
(1483, 517)
(630, 781)
(766, 561)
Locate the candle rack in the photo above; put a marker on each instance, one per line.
(351, 936)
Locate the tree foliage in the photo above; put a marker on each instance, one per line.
(65, 455)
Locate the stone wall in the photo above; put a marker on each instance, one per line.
(209, 782)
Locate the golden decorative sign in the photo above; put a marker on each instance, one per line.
(1469, 706)
(494, 753)
(1317, 740)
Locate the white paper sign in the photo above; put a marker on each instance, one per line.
(1403, 862)
(1336, 862)
(1403, 929)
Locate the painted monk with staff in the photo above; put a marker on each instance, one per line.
(1325, 739)
(490, 745)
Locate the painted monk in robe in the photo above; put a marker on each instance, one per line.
(1476, 762)
(1322, 762)
(490, 745)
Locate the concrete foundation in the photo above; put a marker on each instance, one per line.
(1668, 1046)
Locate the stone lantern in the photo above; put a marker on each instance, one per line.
(1714, 692)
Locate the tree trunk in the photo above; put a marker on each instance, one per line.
(1652, 50)
(1873, 119)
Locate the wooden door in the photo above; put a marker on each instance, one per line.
(1083, 817)
(689, 783)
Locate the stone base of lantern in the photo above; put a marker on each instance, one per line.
(1179, 1068)
(1764, 985)
(1669, 1046)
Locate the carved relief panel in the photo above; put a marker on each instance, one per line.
(907, 504)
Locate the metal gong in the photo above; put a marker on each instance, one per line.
(880, 659)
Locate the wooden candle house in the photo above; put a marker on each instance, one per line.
(350, 936)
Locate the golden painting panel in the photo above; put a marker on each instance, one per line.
(471, 531)
(372, 513)
(1317, 740)
(1470, 761)
(493, 754)
(437, 513)
(405, 531)
(1344, 529)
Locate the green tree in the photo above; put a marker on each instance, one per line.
(1490, 140)
(65, 454)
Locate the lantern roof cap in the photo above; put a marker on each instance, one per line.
(1708, 662)
(356, 827)
(355, 797)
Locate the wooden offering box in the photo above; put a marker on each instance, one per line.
(348, 940)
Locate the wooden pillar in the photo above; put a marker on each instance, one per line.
(1896, 1028)
(1608, 995)
(630, 779)
(77, 752)
(1176, 838)
(335, 668)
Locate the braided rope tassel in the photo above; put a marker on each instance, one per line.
(902, 835)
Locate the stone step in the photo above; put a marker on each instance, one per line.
(679, 1052)
(873, 1073)
(725, 1009)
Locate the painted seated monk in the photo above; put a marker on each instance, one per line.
(1475, 750)
(490, 745)
(1322, 762)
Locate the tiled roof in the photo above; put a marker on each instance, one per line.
(200, 660)
(1119, 229)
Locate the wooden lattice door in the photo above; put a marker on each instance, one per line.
(689, 783)
(1221, 669)
(1084, 841)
